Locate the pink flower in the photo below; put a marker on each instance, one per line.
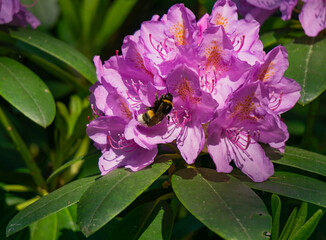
(313, 17)
(236, 130)
(215, 72)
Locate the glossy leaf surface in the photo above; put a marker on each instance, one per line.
(112, 193)
(295, 186)
(222, 203)
(51, 203)
(303, 159)
(57, 49)
(307, 66)
(26, 91)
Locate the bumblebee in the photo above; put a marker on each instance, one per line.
(154, 115)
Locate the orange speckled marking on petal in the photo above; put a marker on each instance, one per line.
(125, 109)
(139, 63)
(185, 90)
(214, 58)
(179, 32)
(244, 108)
(266, 72)
(221, 20)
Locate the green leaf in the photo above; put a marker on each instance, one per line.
(268, 39)
(305, 160)
(306, 65)
(161, 226)
(295, 186)
(308, 228)
(114, 18)
(46, 228)
(300, 218)
(276, 212)
(71, 162)
(144, 220)
(26, 91)
(56, 49)
(56, 226)
(288, 225)
(88, 13)
(222, 203)
(69, 9)
(51, 203)
(112, 193)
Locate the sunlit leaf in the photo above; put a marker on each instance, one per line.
(26, 91)
(57, 49)
(294, 186)
(112, 193)
(222, 203)
(307, 66)
(307, 229)
(51, 203)
(302, 159)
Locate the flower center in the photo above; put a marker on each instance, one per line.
(244, 108)
(138, 63)
(180, 117)
(186, 91)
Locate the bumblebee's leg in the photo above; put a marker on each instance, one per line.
(156, 98)
(168, 118)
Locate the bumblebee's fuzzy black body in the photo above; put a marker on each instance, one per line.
(155, 114)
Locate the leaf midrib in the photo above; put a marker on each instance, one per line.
(104, 198)
(227, 206)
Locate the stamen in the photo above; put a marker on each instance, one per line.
(96, 112)
(241, 41)
(159, 51)
(239, 138)
(276, 101)
(181, 114)
(122, 143)
(117, 53)
(133, 98)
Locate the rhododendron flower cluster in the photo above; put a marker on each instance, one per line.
(13, 13)
(219, 77)
(312, 15)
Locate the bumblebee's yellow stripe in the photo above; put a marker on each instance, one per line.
(150, 113)
(167, 101)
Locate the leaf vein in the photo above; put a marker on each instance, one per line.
(306, 71)
(227, 206)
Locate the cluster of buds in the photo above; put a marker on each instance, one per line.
(192, 83)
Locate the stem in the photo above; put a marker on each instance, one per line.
(24, 152)
(312, 113)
